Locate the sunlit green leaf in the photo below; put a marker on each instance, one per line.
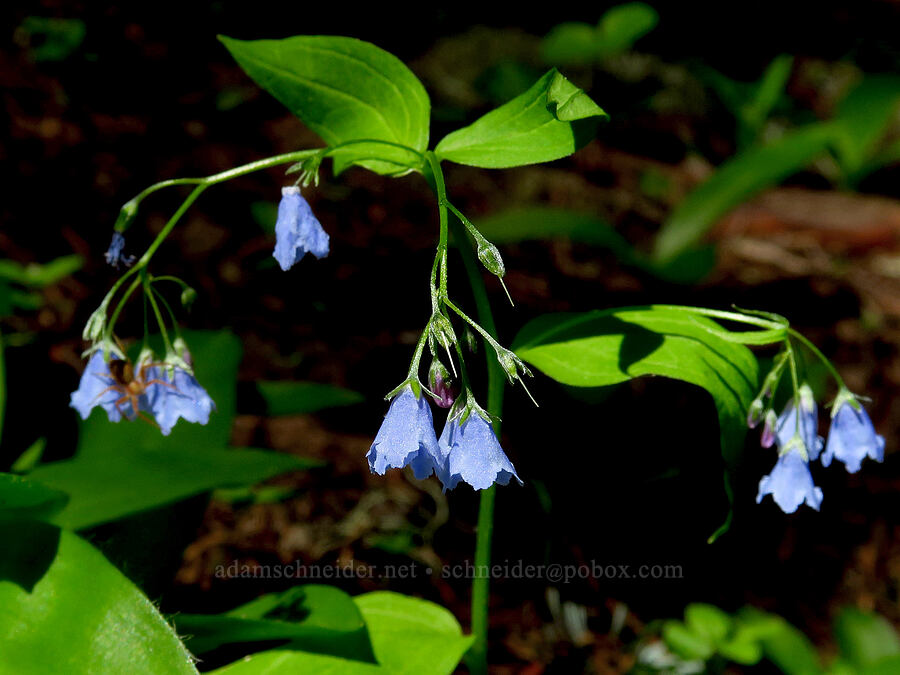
(66, 609)
(553, 119)
(343, 89)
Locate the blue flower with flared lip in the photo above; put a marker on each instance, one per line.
(98, 388)
(167, 398)
(297, 230)
(115, 256)
(852, 436)
(406, 437)
(470, 452)
(790, 483)
(786, 425)
(186, 399)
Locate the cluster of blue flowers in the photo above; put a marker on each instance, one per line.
(161, 392)
(851, 438)
(467, 450)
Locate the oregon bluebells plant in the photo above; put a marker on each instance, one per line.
(852, 436)
(389, 135)
(297, 230)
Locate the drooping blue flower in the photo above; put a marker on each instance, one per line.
(809, 423)
(790, 483)
(98, 388)
(115, 253)
(161, 397)
(406, 437)
(852, 436)
(297, 230)
(185, 399)
(470, 452)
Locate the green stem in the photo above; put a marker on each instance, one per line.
(148, 293)
(728, 316)
(818, 353)
(441, 190)
(111, 324)
(477, 659)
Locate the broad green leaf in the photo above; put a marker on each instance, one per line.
(607, 347)
(66, 609)
(312, 618)
(737, 180)
(24, 498)
(343, 89)
(129, 467)
(410, 636)
(863, 118)
(686, 643)
(553, 119)
(708, 621)
(864, 639)
(301, 398)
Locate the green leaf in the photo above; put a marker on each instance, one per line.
(130, 467)
(57, 38)
(24, 498)
(66, 609)
(737, 180)
(572, 43)
(708, 621)
(301, 398)
(622, 26)
(863, 118)
(410, 636)
(30, 457)
(686, 643)
(312, 618)
(864, 638)
(890, 665)
(783, 644)
(553, 119)
(601, 348)
(39, 276)
(343, 89)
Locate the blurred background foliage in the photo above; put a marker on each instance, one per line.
(751, 158)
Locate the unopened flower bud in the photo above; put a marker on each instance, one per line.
(755, 413)
(95, 326)
(439, 382)
(490, 257)
(188, 295)
(768, 433)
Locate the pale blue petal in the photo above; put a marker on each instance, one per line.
(297, 230)
(406, 437)
(852, 438)
(475, 455)
(790, 483)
